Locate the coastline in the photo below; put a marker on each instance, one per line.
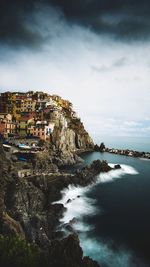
(28, 209)
(45, 189)
(42, 194)
(78, 205)
(123, 152)
(33, 178)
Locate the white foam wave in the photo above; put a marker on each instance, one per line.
(79, 205)
(81, 227)
(118, 173)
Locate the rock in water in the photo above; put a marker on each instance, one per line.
(68, 201)
(68, 253)
(117, 166)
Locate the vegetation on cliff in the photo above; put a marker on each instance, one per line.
(16, 252)
(29, 218)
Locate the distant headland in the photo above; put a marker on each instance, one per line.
(123, 152)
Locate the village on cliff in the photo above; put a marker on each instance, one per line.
(31, 115)
(31, 118)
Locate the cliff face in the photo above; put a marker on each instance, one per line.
(5, 170)
(51, 120)
(27, 210)
(26, 203)
(69, 136)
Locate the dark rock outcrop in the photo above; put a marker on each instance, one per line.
(124, 152)
(68, 253)
(27, 209)
(117, 166)
(43, 162)
(100, 148)
(88, 174)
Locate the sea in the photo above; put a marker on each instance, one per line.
(113, 215)
(124, 142)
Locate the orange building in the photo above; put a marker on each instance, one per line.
(7, 126)
(43, 130)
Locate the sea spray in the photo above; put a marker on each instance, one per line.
(115, 174)
(106, 255)
(75, 200)
(79, 205)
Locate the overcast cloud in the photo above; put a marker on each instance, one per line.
(94, 53)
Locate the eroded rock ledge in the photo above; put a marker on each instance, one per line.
(26, 209)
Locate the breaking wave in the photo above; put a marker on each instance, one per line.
(78, 205)
(114, 174)
(75, 200)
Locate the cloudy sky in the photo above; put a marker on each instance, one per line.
(96, 53)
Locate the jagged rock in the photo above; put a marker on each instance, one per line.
(27, 209)
(88, 174)
(42, 162)
(5, 175)
(117, 166)
(28, 200)
(96, 147)
(73, 221)
(70, 225)
(100, 148)
(87, 262)
(68, 201)
(68, 253)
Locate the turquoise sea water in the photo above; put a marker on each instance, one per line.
(114, 215)
(120, 228)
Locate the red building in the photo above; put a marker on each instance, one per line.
(7, 126)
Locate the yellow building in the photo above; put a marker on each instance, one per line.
(25, 124)
(28, 105)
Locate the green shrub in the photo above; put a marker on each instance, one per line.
(16, 252)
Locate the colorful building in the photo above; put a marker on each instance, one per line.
(33, 113)
(6, 104)
(25, 124)
(28, 105)
(43, 130)
(7, 126)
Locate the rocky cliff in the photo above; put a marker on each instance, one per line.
(27, 211)
(69, 136)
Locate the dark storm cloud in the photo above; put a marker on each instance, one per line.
(123, 19)
(14, 18)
